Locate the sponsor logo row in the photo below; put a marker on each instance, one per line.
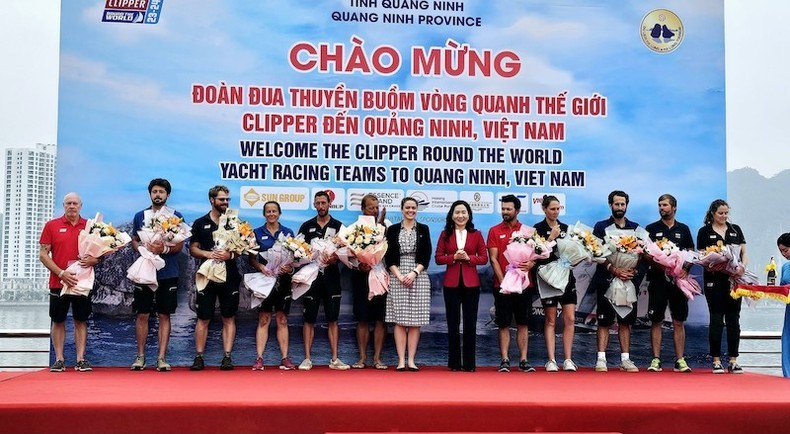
(429, 201)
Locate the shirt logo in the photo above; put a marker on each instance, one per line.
(677, 236)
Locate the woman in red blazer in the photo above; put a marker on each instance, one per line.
(461, 247)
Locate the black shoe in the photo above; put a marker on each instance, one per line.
(504, 366)
(226, 364)
(83, 366)
(197, 364)
(524, 366)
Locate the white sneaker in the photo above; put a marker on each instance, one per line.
(628, 366)
(339, 365)
(551, 366)
(306, 365)
(568, 365)
(600, 365)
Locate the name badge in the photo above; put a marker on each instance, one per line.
(62, 230)
(712, 237)
(265, 237)
(208, 226)
(502, 236)
(311, 230)
(659, 234)
(733, 234)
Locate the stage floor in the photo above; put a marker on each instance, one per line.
(115, 400)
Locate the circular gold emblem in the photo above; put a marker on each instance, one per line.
(662, 31)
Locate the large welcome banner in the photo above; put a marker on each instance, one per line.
(439, 100)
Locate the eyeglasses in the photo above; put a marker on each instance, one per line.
(222, 199)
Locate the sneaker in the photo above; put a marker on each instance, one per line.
(681, 365)
(286, 364)
(227, 363)
(198, 364)
(58, 366)
(600, 365)
(162, 365)
(628, 366)
(138, 364)
(735, 368)
(524, 366)
(83, 366)
(718, 368)
(551, 366)
(306, 365)
(569, 366)
(258, 365)
(655, 365)
(504, 366)
(338, 365)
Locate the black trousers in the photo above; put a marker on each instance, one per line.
(456, 300)
(724, 310)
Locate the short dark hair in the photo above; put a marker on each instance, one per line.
(783, 239)
(668, 197)
(620, 193)
(159, 182)
(214, 191)
(322, 193)
(511, 198)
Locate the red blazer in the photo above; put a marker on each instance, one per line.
(478, 255)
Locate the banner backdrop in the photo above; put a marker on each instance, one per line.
(439, 100)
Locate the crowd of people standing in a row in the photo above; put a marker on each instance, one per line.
(461, 248)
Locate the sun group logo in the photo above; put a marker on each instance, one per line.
(253, 197)
(132, 11)
(662, 31)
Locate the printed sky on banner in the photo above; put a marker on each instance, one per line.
(443, 100)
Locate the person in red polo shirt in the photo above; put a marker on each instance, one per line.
(59, 241)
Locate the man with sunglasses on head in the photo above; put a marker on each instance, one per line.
(201, 247)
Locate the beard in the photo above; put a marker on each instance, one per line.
(618, 214)
(158, 201)
(507, 218)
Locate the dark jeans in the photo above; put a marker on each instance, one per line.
(454, 300)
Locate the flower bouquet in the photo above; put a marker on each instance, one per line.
(734, 265)
(525, 245)
(577, 245)
(301, 281)
(287, 250)
(158, 226)
(233, 235)
(714, 258)
(96, 240)
(672, 260)
(363, 243)
(626, 245)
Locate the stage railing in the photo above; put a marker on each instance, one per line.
(13, 335)
(761, 336)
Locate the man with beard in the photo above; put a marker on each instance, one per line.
(509, 307)
(326, 286)
(201, 247)
(604, 273)
(163, 298)
(662, 290)
(59, 247)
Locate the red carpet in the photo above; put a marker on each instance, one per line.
(113, 400)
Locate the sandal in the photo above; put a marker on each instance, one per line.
(380, 366)
(359, 365)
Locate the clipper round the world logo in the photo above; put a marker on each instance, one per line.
(662, 31)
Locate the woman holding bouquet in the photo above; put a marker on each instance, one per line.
(461, 248)
(551, 228)
(409, 299)
(279, 300)
(722, 307)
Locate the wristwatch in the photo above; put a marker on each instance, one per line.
(416, 271)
